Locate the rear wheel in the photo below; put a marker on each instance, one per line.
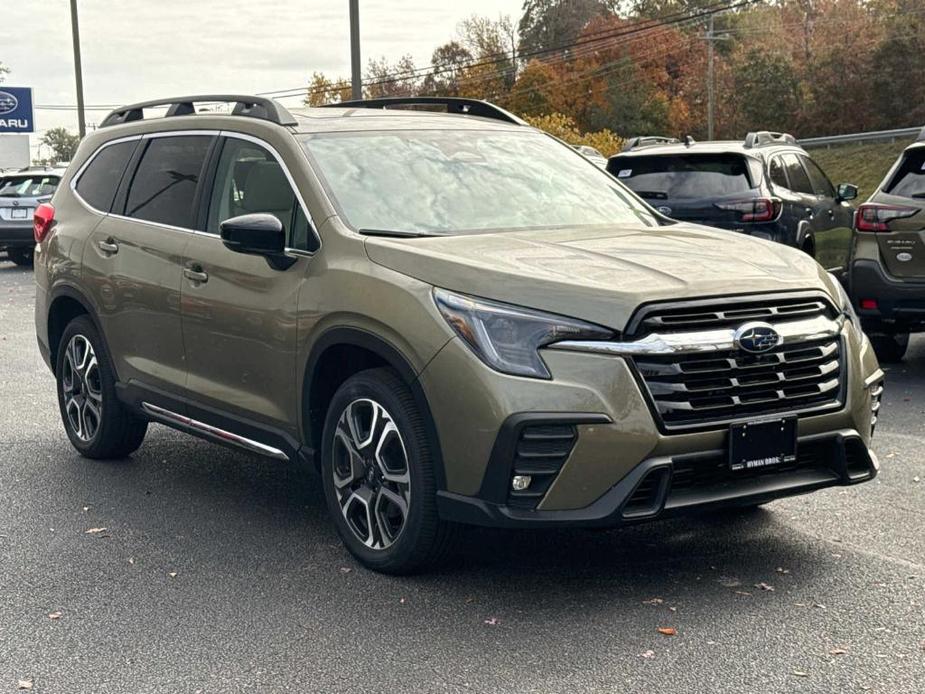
(21, 256)
(378, 475)
(890, 347)
(96, 422)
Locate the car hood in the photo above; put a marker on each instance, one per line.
(601, 275)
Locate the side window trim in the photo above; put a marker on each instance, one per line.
(75, 179)
(783, 169)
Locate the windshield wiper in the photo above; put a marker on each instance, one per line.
(398, 233)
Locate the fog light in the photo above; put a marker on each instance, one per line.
(521, 482)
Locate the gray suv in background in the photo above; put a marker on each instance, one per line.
(20, 193)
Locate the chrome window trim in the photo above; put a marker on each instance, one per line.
(216, 133)
(704, 341)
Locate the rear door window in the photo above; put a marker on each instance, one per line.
(98, 183)
(164, 185)
(817, 178)
(909, 179)
(671, 176)
(778, 174)
(799, 180)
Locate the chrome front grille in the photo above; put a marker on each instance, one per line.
(696, 389)
(709, 314)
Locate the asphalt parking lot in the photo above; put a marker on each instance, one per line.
(214, 571)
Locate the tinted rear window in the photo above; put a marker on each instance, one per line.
(909, 179)
(98, 183)
(662, 177)
(164, 185)
(28, 186)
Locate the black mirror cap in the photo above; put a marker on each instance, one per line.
(847, 191)
(256, 234)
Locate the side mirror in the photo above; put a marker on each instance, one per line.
(257, 234)
(847, 191)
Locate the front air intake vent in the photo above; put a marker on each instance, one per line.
(541, 451)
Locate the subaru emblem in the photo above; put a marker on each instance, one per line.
(665, 210)
(8, 103)
(756, 338)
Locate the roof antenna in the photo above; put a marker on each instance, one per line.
(688, 140)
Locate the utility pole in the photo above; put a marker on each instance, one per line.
(78, 73)
(711, 37)
(356, 75)
(710, 80)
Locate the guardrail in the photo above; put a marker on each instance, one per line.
(873, 136)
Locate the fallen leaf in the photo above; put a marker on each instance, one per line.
(667, 631)
(916, 479)
(25, 684)
(800, 673)
(54, 615)
(95, 531)
(86, 508)
(131, 560)
(837, 651)
(764, 586)
(172, 574)
(782, 570)
(345, 569)
(819, 605)
(402, 601)
(647, 654)
(673, 609)
(653, 601)
(492, 621)
(742, 592)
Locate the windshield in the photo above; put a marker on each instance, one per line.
(28, 186)
(909, 180)
(663, 177)
(452, 181)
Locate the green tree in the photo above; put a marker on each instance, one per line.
(448, 64)
(62, 143)
(898, 64)
(767, 91)
(546, 24)
(632, 105)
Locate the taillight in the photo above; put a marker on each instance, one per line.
(753, 209)
(872, 216)
(42, 221)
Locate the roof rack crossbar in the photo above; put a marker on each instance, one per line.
(251, 106)
(648, 141)
(760, 138)
(453, 104)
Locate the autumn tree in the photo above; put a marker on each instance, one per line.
(322, 90)
(548, 24)
(448, 64)
(383, 79)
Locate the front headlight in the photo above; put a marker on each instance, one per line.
(845, 305)
(507, 337)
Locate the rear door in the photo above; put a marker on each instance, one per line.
(803, 206)
(833, 222)
(133, 261)
(239, 313)
(903, 247)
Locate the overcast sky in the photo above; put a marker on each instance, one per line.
(143, 49)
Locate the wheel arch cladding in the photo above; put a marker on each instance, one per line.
(65, 307)
(339, 354)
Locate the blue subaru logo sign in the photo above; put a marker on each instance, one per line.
(16, 110)
(756, 338)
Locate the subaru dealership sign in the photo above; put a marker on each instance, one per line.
(16, 110)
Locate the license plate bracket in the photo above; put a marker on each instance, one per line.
(19, 213)
(762, 444)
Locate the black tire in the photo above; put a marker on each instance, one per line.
(423, 538)
(117, 432)
(24, 257)
(890, 347)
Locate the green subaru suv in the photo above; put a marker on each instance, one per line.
(454, 316)
(887, 275)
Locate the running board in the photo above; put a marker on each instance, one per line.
(208, 431)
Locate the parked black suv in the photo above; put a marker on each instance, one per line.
(766, 186)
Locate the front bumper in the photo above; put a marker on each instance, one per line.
(660, 487)
(899, 302)
(619, 453)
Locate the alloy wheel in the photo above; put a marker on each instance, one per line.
(82, 388)
(371, 474)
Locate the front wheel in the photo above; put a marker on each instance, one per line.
(96, 422)
(24, 257)
(378, 475)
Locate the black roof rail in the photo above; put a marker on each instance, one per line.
(760, 138)
(453, 104)
(648, 141)
(250, 106)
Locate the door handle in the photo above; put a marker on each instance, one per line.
(109, 246)
(195, 273)
(809, 212)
